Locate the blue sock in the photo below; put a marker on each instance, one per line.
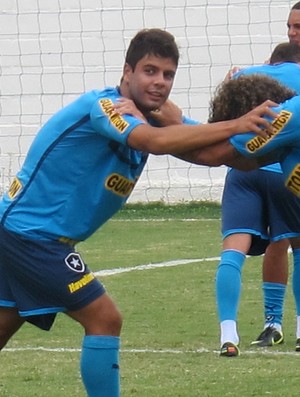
(228, 284)
(273, 302)
(296, 279)
(100, 365)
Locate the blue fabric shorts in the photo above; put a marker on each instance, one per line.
(42, 278)
(258, 203)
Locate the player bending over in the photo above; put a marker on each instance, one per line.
(79, 171)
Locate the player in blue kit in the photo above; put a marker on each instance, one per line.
(255, 194)
(79, 171)
(245, 91)
(293, 24)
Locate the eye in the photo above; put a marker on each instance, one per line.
(169, 75)
(149, 70)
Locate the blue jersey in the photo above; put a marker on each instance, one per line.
(284, 138)
(78, 172)
(291, 171)
(285, 135)
(287, 73)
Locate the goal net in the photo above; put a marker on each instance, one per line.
(54, 50)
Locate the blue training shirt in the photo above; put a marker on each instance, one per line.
(287, 73)
(285, 135)
(78, 172)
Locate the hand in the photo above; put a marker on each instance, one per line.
(168, 114)
(231, 72)
(254, 121)
(127, 106)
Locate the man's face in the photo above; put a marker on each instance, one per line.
(293, 25)
(150, 83)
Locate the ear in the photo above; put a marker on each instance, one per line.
(127, 70)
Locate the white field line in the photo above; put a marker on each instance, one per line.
(177, 262)
(167, 220)
(268, 352)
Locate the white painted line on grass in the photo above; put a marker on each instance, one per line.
(156, 351)
(178, 262)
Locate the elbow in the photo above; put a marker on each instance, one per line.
(149, 143)
(153, 146)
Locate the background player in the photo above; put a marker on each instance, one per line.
(250, 203)
(275, 260)
(293, 24)
(245, 92)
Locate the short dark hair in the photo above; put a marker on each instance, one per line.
(285, 52)
(235, 97)
(296, 6)
(156, 42)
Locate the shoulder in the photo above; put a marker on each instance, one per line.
(292, 105)
(253, 69)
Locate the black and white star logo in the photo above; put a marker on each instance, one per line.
(74, 262)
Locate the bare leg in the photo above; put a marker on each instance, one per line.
(101, 317)
(275, 262)
(10, 322)
(295, 243)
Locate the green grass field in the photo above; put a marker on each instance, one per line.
(170, 338)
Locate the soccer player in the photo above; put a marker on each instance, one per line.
(232, 99)
(293, 24)
(79, 171)
(275, 260)
(252, 195)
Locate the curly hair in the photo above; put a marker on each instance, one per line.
(238, 96)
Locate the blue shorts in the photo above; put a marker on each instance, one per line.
(42, 278)
(258, 203)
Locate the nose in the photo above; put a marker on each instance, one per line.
(291, 31)
(160, 79)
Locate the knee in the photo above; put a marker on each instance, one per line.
(115, 321)
(108, 322)
(102, 317)
(109, 316)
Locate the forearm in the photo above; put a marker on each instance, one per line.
(178, 139)
(224, 153)
(213, 155)
(247, 164)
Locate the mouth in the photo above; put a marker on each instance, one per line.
(156, 97)
(155, 94)
(295, 40)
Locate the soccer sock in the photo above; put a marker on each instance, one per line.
(229, 332)
(296, 286)
(100, 365)
(273, 303)
(298, 327)
(228, 290)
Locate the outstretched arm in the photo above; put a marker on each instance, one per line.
(224, 153)
(178, 139)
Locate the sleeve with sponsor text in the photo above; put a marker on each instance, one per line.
(286, 132)
(291, 171)
(110, 124)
